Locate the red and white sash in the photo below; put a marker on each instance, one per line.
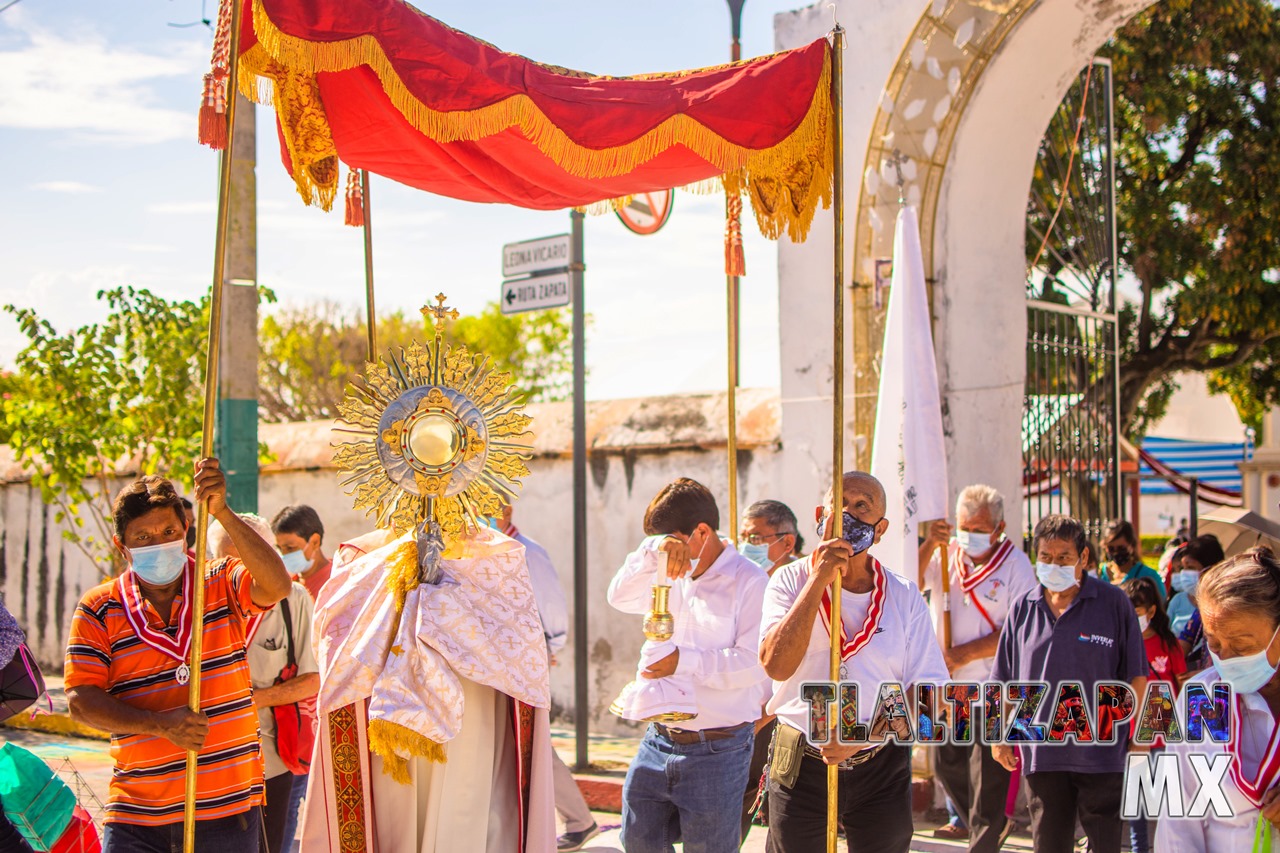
(848, 647)
(1268, 768)
(135, 610)
(251, 628)
(969, 581)
(511, 531)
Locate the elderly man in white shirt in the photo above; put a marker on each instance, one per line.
(889, 637)
(988, 573)
(686, 783)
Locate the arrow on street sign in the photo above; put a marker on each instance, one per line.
(535, 293)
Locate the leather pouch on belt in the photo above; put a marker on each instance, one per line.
(788, 751)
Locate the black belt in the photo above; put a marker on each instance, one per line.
(686, 736)
(852, 761)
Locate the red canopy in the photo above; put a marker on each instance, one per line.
(381, 86)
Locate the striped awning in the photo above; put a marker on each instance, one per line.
(1214, 464)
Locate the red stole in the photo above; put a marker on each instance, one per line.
(850, 647)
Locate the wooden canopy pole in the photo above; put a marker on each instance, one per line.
(210, 408)
(837, 389)
(733, 231)
(370, 316)
(946, 595)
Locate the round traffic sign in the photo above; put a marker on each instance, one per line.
(647, 212)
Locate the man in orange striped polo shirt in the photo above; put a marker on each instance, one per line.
(127, 672)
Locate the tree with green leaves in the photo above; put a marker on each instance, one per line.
(308, 354)
(121, 395)
(1197, 86)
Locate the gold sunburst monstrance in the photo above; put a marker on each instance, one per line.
(442, 437)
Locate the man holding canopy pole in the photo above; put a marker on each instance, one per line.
(127, 671)
(887, 636)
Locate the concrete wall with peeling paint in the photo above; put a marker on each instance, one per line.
(637, 446)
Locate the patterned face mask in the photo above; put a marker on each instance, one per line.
(859, 534)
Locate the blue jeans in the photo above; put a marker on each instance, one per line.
(686, 792)
(295, 802)
(240, 832)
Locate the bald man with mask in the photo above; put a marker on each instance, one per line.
(888, 637)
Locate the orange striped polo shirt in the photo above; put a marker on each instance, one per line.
(148, 782)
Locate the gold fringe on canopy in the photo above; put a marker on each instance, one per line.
(783, 182)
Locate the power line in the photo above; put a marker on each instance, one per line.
(10, 4)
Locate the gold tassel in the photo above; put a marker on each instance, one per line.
(354, 213)
(735, 261)
(393, 742)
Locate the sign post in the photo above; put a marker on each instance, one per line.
(548, 273)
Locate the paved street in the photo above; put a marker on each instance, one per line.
(85, 765)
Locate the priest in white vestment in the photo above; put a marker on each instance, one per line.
(434, 732)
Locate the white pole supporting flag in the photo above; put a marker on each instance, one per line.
(909, 454)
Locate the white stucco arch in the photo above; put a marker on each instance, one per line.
(978, 233)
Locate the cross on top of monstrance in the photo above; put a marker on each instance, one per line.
(439, 311)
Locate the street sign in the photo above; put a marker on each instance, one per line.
(532, 256)
(647, 212)
(537, 292)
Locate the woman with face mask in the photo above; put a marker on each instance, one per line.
(1240, 611)
(1196, 556)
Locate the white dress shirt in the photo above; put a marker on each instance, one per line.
(1012, 580)
(903, 649)
(1212, 834)
(717, 628)
(547, 592)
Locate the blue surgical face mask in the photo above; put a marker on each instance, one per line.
(493, 523)
(295, 562)
(1247, 673)
(859, 534)
(159, 565)
(974, 544)
(1186, 581)
(1056, 578)
(758, 554)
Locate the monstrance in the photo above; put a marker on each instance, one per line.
(442, 443)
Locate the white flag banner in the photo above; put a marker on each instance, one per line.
(909, 455)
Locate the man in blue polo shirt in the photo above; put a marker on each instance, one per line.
(1077, 628)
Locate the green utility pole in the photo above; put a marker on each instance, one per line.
(236, 442)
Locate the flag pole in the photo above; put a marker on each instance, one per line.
(213, 351)
(837, 387)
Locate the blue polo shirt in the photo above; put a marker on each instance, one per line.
(1096, 639)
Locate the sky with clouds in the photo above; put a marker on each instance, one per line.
(104, 185)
